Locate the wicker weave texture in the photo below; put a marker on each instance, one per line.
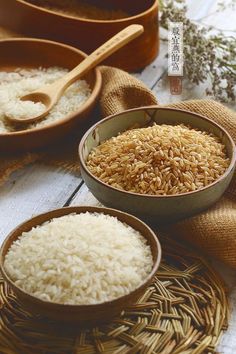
(184, 311)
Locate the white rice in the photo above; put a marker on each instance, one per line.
(84, 258)
(24, 109)
(15, 84)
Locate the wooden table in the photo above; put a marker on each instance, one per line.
(38, 188)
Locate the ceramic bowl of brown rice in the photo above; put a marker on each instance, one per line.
(160, 164)
(80, 264)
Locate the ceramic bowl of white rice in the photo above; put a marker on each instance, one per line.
(27, 65)
(80, 264)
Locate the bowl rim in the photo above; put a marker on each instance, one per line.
(93, 96)
(156, 107)
(78, 210)
(76, 18)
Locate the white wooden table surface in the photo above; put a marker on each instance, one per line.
(38, 188)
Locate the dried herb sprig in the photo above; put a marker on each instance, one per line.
(207, 54)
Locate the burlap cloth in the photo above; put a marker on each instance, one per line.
(214, 231)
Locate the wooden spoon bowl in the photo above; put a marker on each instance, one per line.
(33, 53)
(81, 314)
(49, 95)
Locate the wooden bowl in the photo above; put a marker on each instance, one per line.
(88, 34)
(86, 314)
(156, 209)
(32, 53)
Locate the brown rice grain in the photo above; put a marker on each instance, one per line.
(159, 160)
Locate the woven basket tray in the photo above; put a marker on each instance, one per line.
(184, 311)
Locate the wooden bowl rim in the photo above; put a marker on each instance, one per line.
(94, 94)
(225, 174)
(76, 18)
(78, 210)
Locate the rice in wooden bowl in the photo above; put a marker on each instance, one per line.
(86, 24)
(160, 164)
(28, 64)
(80, 264)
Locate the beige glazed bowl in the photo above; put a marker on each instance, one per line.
(81, 314)
(158, 209)
(34, 53)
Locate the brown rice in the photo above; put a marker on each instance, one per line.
(159, 160)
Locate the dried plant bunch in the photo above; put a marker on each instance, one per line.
(208, 53)
(159, 160)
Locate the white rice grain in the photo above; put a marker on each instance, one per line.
(14, 85)
(78, 259)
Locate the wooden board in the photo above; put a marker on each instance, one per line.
(33, 190)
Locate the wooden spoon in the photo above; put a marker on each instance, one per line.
(50, 94)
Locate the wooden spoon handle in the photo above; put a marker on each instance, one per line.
(101, 53)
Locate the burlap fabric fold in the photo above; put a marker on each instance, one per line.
(214, 231)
